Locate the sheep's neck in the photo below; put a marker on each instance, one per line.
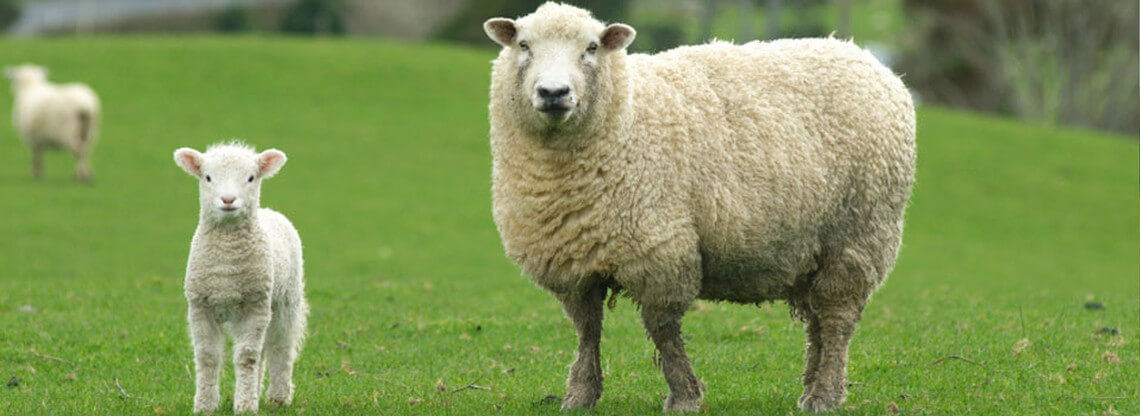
(229, 228)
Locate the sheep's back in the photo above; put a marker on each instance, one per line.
(783, 145)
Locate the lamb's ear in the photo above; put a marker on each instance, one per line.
(269, 162)
(189, 160)
(618, 36)
(501, 30)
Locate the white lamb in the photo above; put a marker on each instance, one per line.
(54, 116)
(244, 273)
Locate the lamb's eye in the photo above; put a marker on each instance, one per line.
(251, 178)
(592, 48)
(208, 178)
(524, 45)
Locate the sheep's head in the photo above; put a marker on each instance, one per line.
(229, 178)
(553, 58)
(25, 74)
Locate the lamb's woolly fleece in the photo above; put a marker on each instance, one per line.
(748, 173)
(47, 115)
(245, 270)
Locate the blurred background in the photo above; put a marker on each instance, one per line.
(1070, 62)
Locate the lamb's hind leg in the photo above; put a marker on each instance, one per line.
(282, 344)
(837, 299)
(584, 385)
(249, 339)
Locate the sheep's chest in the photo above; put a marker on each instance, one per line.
(559, 229)
(221, 274)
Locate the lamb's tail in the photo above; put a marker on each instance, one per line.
(85, 119)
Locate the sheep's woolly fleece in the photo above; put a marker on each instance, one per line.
(245, 269)
(745, 173)
(47, 115)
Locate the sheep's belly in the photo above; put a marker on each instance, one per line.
(758, 275)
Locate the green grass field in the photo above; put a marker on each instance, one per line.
(1012, 229)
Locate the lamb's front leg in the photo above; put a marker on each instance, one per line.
(584, 386)
(209, 342)
(249, 339)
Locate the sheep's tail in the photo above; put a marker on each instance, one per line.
(84, 125)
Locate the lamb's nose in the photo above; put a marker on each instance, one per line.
(228, 199)
(548, 92)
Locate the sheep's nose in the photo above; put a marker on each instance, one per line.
(228, 199)
(555, 92)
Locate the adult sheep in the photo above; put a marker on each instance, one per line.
(47, 116)
(741, 173)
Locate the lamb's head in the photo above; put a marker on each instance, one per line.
(25, 75)
(553, 60)
(229, 178)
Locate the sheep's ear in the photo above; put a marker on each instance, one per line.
(618, 36)
(501, 30)
(269, 162)
(189, 160)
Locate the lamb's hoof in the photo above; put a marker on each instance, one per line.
(245, 408)
(579, 402)
(675, 405)
(814, 403)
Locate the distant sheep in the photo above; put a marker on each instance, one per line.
(742, 173)
(50, 116)
(244, 273)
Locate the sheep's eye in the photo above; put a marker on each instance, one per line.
(208, 178)
(524, 45)
(592, 48)
(251, 178)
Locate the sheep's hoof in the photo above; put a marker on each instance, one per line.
(279, 401)
(675, 405)
(579, 401)
(814, 403)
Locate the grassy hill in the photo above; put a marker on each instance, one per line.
(1012, 229)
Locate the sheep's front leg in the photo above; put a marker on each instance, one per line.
(663, 323)
(584, 385)
(209, 342)
(249, 338)
(37, 161)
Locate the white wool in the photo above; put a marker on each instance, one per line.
(51, 116)
(246, 272)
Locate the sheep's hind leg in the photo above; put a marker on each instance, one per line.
(584, 385)
(837, 301)
(282, 344)
(82, 167)
(663, 323)
(209, 342)
(249, 339)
